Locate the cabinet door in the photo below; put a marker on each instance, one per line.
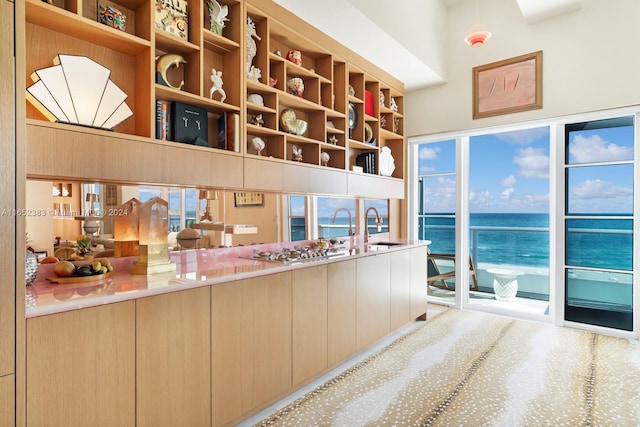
(418, 282)
(7, 401)
(400, 288)
(309, 350)
(8, 272)
(341, 308)
(251, 344)
(81, 367)
(373, 311)
(173, 359)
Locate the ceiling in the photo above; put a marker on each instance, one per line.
(371, 28)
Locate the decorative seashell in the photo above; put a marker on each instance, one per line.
(258, 144)
(299, 127)
(292, 124)
(295, 86)
(256, 98)
(324, 157)
(387, 163)
(78, 90)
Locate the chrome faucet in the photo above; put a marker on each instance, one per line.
(335, 214)
(366, 222)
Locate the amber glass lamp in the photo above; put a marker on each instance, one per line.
(125, 229)
(153, 225)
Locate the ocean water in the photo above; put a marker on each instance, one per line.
(523, 239)
(329, 229)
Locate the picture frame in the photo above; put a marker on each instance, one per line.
(508, 86)
(242, 199)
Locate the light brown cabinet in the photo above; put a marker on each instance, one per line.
(173, 359)
(400, 288)
(7, 400)
(309, 323)
(373, 310)
(251, 344)
(81, 367)
(7, 194)
(418, 282)
(215, 354)
(341, 307)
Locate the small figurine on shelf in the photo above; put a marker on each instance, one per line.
(163, 64)
(382, 98)
(295, 56)
(112, 17)
(273, 81)
(217, 16)
(297, 153)
(256, 120)
(333, 140)
(393, 104)
(383, 122)
(216, 79)
(253, 73)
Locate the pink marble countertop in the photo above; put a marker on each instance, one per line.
(194, 268)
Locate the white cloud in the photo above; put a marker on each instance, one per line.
(440, 197)
(595, 149)
(506, 194)
(424, 170)
(480, 198)
(523, 137)
(428, 153)
(533, 162)
(509, 181)
(598, 189)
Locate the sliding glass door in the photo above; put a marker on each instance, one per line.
(508, 228)
(599, 178)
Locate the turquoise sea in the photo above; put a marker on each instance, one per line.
(523, 239)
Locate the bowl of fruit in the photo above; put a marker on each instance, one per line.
(68, 272)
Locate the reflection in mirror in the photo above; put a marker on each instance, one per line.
(222, 217)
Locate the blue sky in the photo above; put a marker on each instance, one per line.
(509, 172)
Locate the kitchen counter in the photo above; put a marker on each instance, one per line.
(194, 268)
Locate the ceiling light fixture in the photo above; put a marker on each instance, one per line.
(477, 37)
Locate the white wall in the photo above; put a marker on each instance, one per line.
(591, 61)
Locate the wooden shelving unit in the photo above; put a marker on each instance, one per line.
(328, 70)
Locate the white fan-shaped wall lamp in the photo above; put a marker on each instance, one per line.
(78, 90)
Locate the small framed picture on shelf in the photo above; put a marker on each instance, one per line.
(242, 199)
(508, 86)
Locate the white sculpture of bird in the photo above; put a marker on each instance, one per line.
(217, 13)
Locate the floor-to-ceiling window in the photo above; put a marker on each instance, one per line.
(545, 209)
(599, 170)
(437, 208)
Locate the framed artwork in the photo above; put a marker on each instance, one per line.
(248, 199)
(508, 86)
